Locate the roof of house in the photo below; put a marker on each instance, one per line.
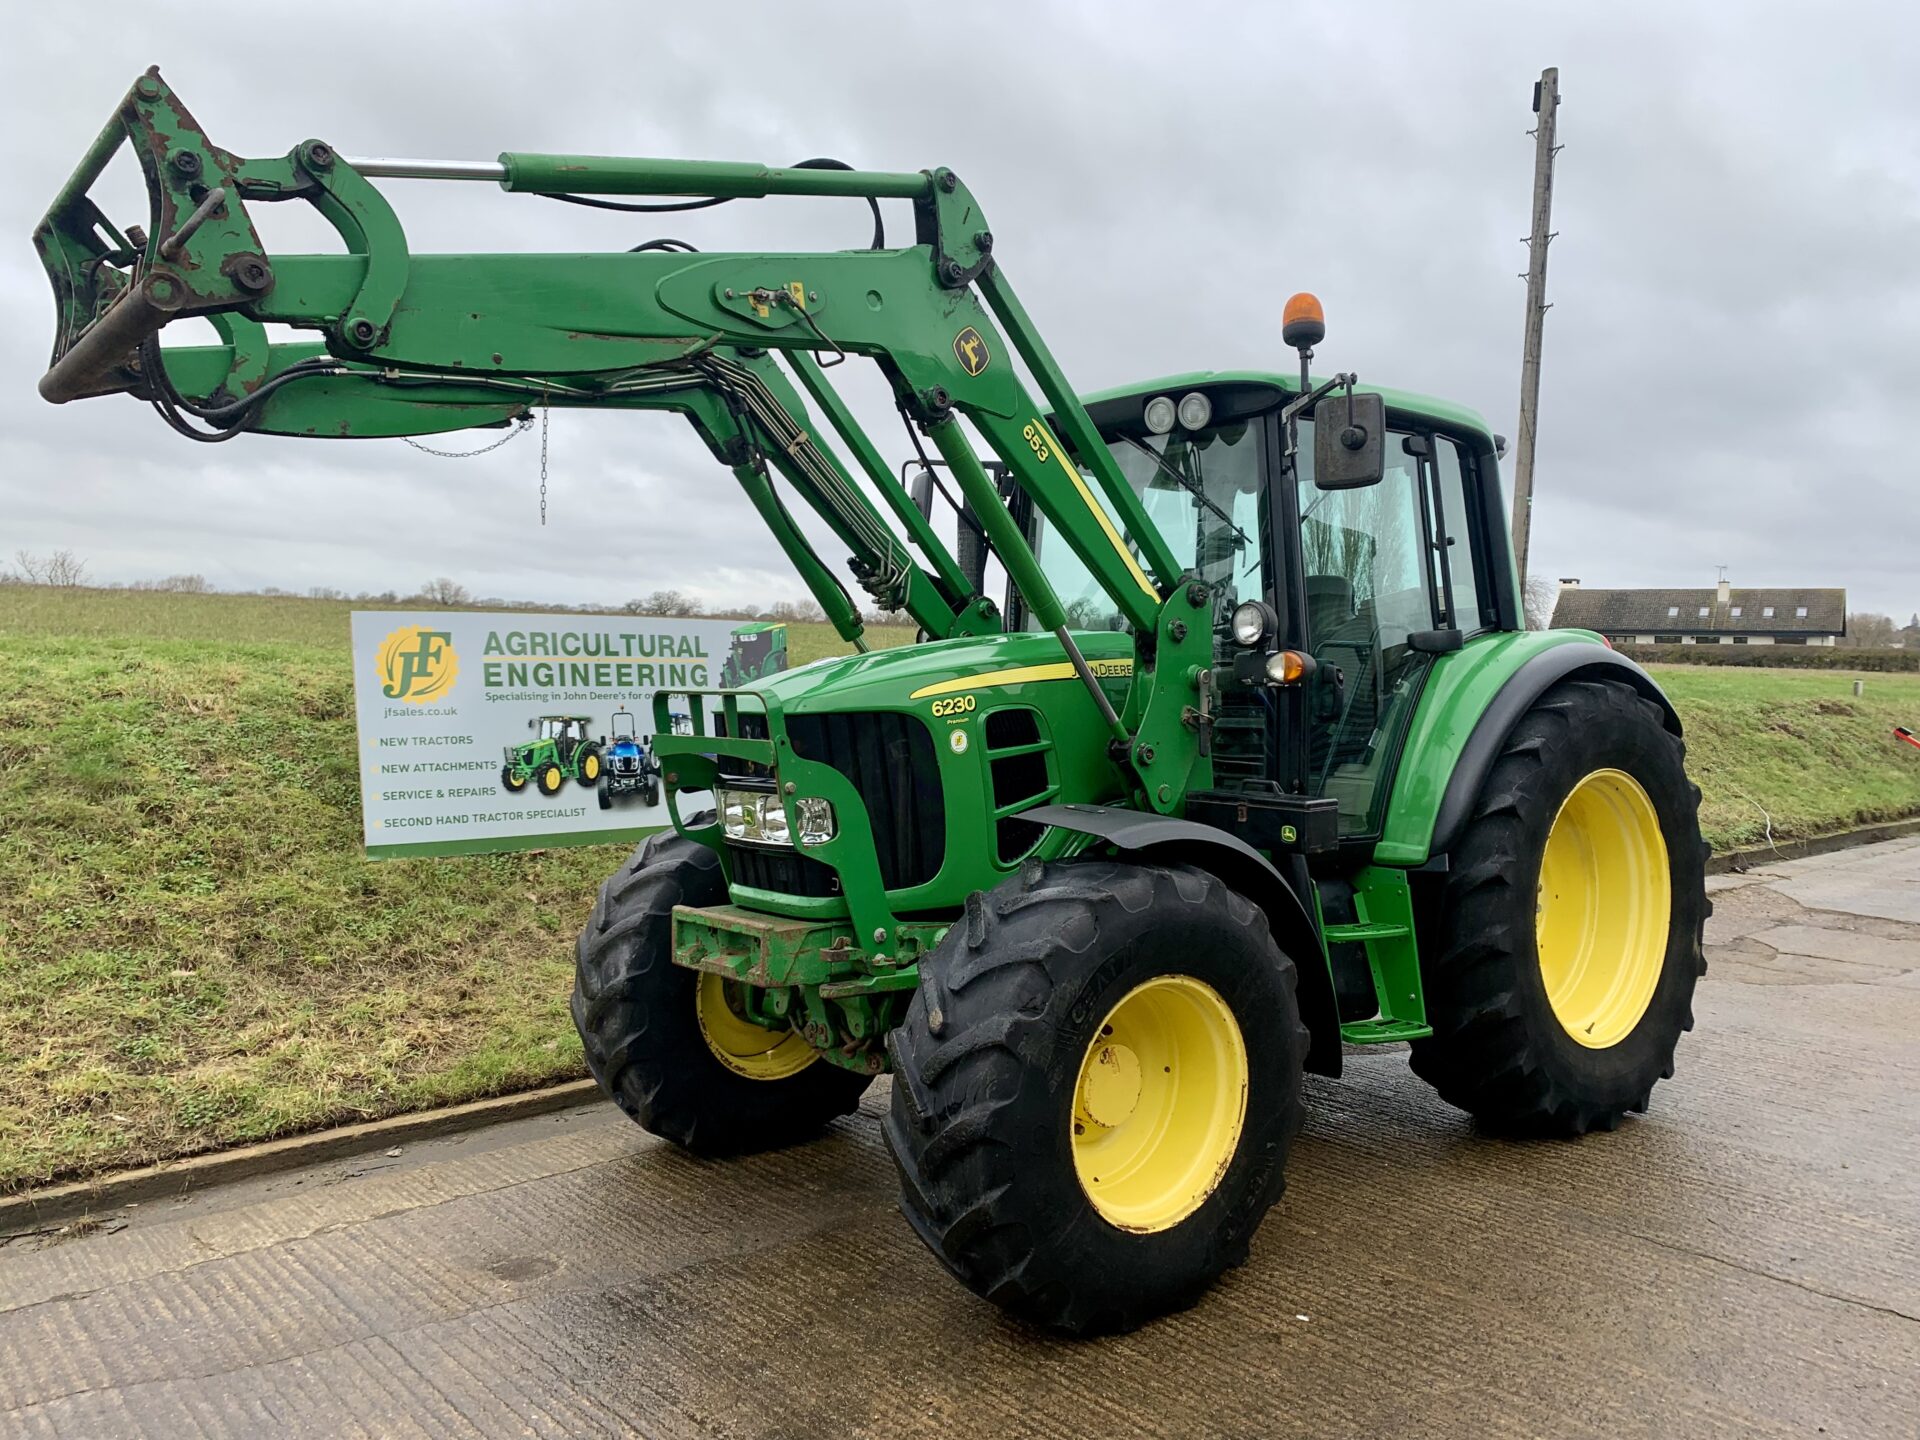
(1618, 612)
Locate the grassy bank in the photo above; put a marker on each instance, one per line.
(194, 954)
(192, 951)
(1796, 747)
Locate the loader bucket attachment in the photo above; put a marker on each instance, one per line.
(114, 289)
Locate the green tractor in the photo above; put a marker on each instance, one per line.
(561, 750)
(757, 650)
(1252, 761)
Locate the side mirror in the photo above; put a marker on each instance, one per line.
(1349, 442)
(921, 493)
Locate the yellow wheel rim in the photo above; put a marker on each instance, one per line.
(1159, 1104)
(554, 777)
(742, 1046)
(590, 768)
(1604, 907)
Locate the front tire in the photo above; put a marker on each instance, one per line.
(666, 1043)
(1570, 937)
(514, 783)
(1095, 1088)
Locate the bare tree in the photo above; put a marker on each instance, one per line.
(185, 585)
(58, 567)
(324, 592)
(442, 591)
(1542, 595)
(664, 602)
(1867, 630)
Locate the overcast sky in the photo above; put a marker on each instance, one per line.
(1731, 355)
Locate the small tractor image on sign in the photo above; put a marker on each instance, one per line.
(561, 751)
(629, 765)
(758, 650)
(1250, 760)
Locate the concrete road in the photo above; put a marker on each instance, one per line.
(1742, 1261)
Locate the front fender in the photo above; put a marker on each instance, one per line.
(1472, 700)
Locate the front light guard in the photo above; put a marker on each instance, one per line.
(690, 761)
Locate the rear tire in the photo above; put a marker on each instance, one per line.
(606, 799)
(1571, 1044)
(1004, 1106)
(589, 766)
(639, 1020)
(549, 778)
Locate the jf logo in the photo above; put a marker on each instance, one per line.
(417, 664)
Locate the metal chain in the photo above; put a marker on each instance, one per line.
(513, 434)
(543, 458)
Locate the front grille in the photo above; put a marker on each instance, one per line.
(753, 726)
(625, 765)
(890, 760)
(781, 871)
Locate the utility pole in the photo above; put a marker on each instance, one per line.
(1546, 106)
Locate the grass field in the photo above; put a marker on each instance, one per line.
(193, 952)
(1795, 746)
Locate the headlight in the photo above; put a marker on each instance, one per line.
(816, 820)
(754, 815)
(1195, 410)
(1253, 622)
(1159, 414)
(735, 808)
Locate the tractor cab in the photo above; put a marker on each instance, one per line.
(1362, 583)
(567, 732)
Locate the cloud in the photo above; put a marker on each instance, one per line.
(1736, 281)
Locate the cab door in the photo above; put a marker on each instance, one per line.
(1388, 580)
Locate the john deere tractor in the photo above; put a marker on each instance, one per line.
(757, 650)
(561, 750)
(1252, 761)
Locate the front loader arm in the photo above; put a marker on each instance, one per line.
(418, 344)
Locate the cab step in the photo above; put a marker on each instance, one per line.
(1384, 903)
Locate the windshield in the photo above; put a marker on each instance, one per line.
(1202, 492)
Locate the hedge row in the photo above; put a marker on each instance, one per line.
(1777, 657)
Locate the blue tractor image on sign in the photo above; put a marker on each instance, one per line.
(629, 766)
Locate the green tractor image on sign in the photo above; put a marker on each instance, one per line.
(561, 751)
(758, 650)
(1250, 761)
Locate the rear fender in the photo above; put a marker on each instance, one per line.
(1168, 840)
(1468, 708)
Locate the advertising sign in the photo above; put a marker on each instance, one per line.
(518, 731)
